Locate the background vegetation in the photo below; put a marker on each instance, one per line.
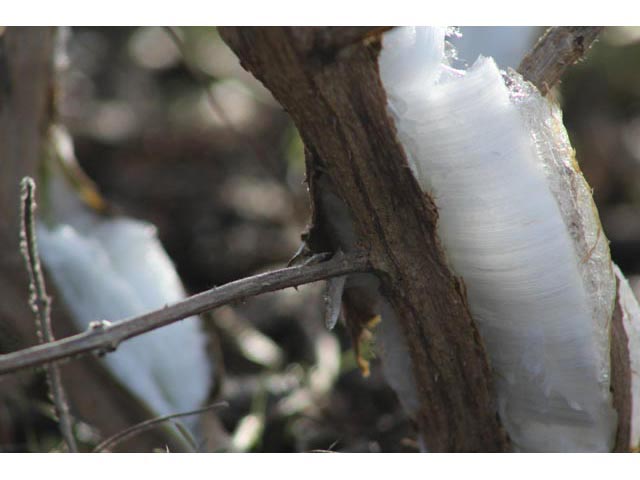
(188, 140)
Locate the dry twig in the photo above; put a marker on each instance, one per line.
(104, 336)
(41, 305)
(554, 53)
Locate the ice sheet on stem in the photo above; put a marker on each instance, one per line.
(540, 286)
(113, 268)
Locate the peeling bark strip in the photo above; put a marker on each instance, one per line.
(339, 107)
(621, 376)
(625, 358)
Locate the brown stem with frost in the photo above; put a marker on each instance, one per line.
(553, 54)
(336, 99)
(556, 50)
(105, 337)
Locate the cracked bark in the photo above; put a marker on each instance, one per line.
(338, 104)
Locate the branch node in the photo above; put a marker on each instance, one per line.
(99, 325)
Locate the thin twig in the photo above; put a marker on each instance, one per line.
(41, 305)
(142, 427)
(554, 53)
(103, 336)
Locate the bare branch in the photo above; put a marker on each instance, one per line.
(41, 305)
(105, 336)
(554, 53)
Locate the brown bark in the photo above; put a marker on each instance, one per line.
(339, 106)
(26, 72)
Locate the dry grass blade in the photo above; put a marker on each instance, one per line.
(141, 427)
(265, 161)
